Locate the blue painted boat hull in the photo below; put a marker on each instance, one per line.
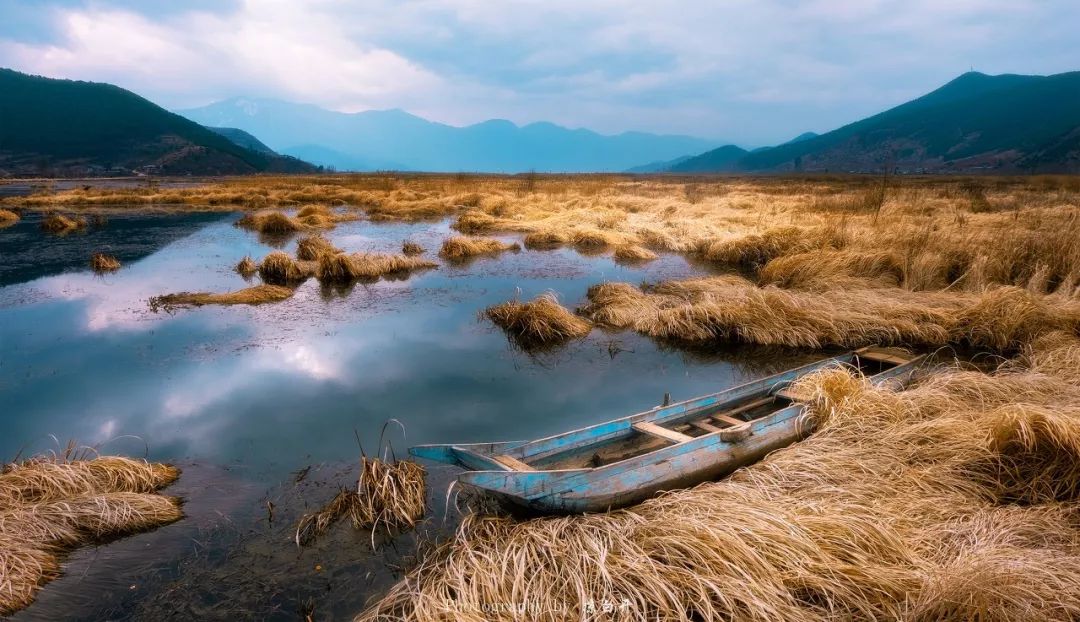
(515, 471)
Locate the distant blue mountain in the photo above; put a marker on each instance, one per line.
(716, 161)
(395, 139)
(661, 166)
(802, 137)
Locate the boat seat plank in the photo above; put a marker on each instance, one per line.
(512, 463)
(787, 395)
(731, 421)
(883, 358)
(652, 429)
(705, 425)
(745, 407)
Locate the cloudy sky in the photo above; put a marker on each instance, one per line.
(749, 71)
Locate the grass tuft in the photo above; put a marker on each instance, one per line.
(388, 495)
(544, 240)
(50, 505)
(259, 294)
(247, 267)
(459, 247)
(539, 323)
(312, 247)
(411, 249)
(59, 223)
(632, 253)
(344, 268)
(101, 263)
(8, 218)
(278, 268)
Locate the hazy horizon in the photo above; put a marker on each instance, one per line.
(747, 73)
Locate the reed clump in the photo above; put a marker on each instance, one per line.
(50, 505)
(754, 251)
(278, 268)
(474, 222)
(730, 309)
(388, 495)
(273, 222)
(539, 323)
(460, 247)
(258, 294)
(102, 263)
(59, 223)
(8, 218)
(310, 248)
(411, 249)
(832, 269)
(247, 267)
(344, 268)
(632, 253)
(544, 240)
(952, 499)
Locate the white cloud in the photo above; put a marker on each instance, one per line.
(752, 71)
(264, 46)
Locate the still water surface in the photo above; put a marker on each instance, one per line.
(243, 397)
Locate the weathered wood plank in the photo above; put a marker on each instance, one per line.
(513, 463)
(704, 425)
(731, 421)
(652, 429)
(736, 433)
(745, 407)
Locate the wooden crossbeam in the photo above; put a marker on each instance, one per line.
(731, 421)
(512, 463)
(705, 425)
(784, 393)
(652, 429)
(883, 358)
(745, 407)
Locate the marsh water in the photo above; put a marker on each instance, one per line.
(246, 398)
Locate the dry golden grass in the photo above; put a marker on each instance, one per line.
(944, 232)
(461, 247)
(278, 268)
(730, 309)
(8, 218)
(543, 240)
(952, 500)
(247, 267)
(59, 223)
(344, 268)
(411, 249)
(389, 495)
(310, 248)
(269, 222)
(101, 263)
(955, 499)
(307, 218)
(259, 294)
(632, 253)
(50, 505)
(541, 322)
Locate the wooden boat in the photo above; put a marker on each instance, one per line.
(624, 461)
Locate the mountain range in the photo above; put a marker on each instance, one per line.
(65, 127)
(395, 139)
(975, 123)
